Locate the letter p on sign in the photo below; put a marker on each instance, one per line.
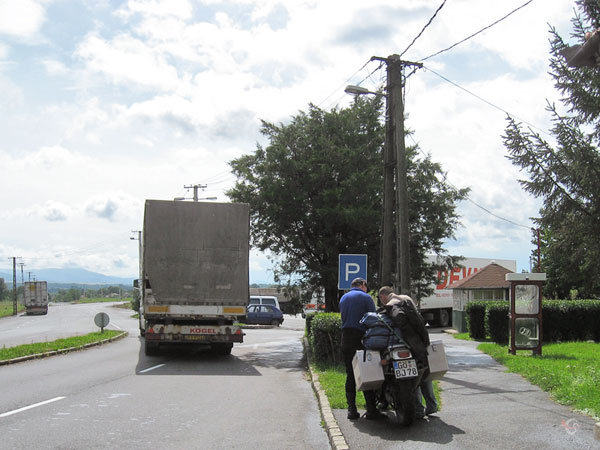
(351, 267)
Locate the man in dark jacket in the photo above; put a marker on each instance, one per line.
(406, 317)
(353, 306)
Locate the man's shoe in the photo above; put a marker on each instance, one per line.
(375, 415)
(353, 414)
(430, 412)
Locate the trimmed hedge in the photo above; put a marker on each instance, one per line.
(562, 320)
(325, 337)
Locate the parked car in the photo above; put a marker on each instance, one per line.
(263, 315)
(264, 300)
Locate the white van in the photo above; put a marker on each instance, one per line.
(264, 300)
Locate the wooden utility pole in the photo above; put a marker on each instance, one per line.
(14, 258)
(395, 149)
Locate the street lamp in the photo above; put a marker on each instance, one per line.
(359, 90)
(139, 239)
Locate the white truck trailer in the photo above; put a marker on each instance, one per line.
(437, 308)
(195, 273)
(36, 297)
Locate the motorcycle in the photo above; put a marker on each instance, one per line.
(402, 372)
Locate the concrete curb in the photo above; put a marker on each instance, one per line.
(597, 431)
(336, 438)
(64, 350)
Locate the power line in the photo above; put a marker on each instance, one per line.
(337, 89)
(426, 25)
(480, 31)
(467, 196)
(486, 101)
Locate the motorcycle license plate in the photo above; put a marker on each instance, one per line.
(406, 368)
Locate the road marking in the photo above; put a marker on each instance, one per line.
(151, 368)
(10, 413)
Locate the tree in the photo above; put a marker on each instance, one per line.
(315, 191)
(3, 289)
(565, 175)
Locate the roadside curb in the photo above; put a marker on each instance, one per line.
(597, 431)
(336, 438)
(61, 351)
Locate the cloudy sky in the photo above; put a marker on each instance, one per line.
(106, 103)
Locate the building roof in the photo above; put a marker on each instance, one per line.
(488, 277)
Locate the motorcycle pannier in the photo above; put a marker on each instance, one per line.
(368, 372)
(438, 365)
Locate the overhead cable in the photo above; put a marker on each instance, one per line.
(467, 196)
(426, 25)
(485, 101)
(476, 33)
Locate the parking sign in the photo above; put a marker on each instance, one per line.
(351, 267)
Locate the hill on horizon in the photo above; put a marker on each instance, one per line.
(73, 275)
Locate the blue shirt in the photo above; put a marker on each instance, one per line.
(353, 306)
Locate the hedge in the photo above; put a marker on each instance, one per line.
(562, 320)
(325, 337)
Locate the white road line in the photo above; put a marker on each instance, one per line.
(151, 368)
(10, 413)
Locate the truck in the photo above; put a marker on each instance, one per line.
(437, 308)
(35, 297)
(194, 274)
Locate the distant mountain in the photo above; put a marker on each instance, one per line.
(79, 276)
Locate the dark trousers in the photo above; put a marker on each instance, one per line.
(351, 342)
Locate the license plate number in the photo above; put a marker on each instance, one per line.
(192, 337)
(406, 368)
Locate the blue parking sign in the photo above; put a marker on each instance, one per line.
(351, 267)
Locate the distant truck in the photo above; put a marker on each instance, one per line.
(36, 297)
(437, 308)
(195, 273)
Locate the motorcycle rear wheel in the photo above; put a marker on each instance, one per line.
(404, 405)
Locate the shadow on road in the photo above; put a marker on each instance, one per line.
(433, 430)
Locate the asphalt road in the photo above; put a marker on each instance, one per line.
(483, 407)
(114, 396)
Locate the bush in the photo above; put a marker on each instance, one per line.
(497, 322)
(476, 319)
(308, 321)
(562, 320)
(325, 337)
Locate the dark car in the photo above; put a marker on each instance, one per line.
(263, 315)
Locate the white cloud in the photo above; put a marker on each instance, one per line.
(22, 18)
(112, 206)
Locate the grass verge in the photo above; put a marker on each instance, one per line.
(569, 371)
(60, 344)
(333, 381)
(6, 308)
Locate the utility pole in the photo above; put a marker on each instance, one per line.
(22, 281)
(14, 259)
(396, 147)
(196, 187)
(139, 239)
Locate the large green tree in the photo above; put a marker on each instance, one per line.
(566, 173)
(315, 191)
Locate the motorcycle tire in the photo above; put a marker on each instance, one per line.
(404, 405)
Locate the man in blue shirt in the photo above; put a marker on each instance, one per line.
(353, 306)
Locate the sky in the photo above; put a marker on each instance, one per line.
(107, 103)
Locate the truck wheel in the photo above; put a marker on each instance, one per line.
(150, 348)
(222, 349)
(444, 318)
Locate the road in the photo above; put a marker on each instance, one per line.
(114, 396)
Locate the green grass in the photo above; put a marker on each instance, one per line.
(102, 300)
(60, 344)
(569, 371)
(6, 308)
(333, 380)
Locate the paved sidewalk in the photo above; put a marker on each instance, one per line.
(482, 407)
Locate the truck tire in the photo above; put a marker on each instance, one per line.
(150, 348)
(444, 318)
(222, 349)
